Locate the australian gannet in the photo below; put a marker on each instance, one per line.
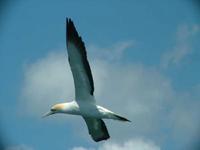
(84, 103)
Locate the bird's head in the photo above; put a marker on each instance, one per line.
(58, 108)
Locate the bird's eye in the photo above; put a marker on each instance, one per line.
(53, 109)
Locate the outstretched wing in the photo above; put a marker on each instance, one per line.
(97, 129)
(77, 56)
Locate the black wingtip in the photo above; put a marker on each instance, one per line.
(101, 139)
(70, 30)
(72, 34)
(69, 21)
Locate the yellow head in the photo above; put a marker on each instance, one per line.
(58, 108)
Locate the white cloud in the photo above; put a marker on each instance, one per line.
(135, 91)
(81, 148)
(111, 53)
(142, 90)
(133, 144)
(47, 81)
(185, 117)
(19, 147)
(140, 93)
(182, 47)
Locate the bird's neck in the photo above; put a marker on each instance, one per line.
(70, 108)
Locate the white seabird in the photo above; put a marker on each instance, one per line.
(84, 103)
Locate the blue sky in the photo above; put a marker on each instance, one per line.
(143, 54)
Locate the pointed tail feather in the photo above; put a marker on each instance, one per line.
(121, 118)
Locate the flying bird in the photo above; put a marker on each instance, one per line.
(84, 103)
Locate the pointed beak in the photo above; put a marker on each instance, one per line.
(47, 114)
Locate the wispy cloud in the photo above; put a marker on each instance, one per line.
(111, 53)
(182, 47)
(136, 144)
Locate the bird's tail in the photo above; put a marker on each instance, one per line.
(121, 118)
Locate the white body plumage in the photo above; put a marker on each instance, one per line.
(84, 109)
